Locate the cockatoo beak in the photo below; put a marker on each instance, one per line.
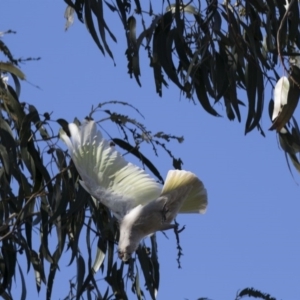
(124, 256)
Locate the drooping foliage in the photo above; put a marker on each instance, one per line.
(211, 51)
(43, 206)
(41, 202)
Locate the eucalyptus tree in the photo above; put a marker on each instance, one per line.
(222, 54)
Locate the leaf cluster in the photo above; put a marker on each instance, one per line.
(215, 52)
(45, 214)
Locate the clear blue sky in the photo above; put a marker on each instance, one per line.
(250, 236)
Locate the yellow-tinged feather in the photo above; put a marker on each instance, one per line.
(196, 200)
(120, 185)
(105, 174)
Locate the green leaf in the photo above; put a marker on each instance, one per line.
(155, 263)
(37, 122)
(61, 159)
(260, 99)
(69, 15)
(45, 229)
(75, 225)
(293, 22)
(137, 287)
(64, 124)
(200, 89)
(100, 255)
(97, 8)
(80, 274)
(292, 101)
(220, 79)
(61, 200)
(24, 290)
(90, 25)
(50, 281)
(132, 51)
(147, 268)
(165, 43)
(115, 280)
(10, 259)
(22, 242)
(9, 67)
(110, 257)
(17, 84)
(5, 160)
(251, 85)
(38, 269)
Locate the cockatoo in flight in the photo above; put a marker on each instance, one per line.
(140, 204)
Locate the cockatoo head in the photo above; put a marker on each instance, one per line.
(130, 235)
(125, 256)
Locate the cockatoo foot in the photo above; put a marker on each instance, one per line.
(167, 227)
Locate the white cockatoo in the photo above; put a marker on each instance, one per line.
(140, 204)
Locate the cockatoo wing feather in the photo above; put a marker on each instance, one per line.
(105, 174)
(189, 188)
(182, 192)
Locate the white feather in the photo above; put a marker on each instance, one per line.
(105, 174)
(141, 205)
(183, 192)
(281, 91)
(196, 199)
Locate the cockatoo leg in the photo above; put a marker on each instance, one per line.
(166, 226)
(164, 222)
(164, 212)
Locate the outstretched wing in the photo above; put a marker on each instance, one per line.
(105, 174)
